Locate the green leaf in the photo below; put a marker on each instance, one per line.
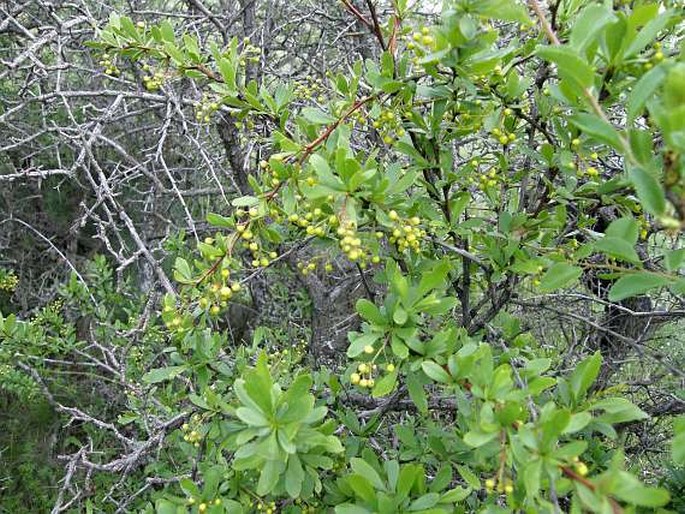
(317, 116)
(469, 476)
(596, 127)
(294, 476)
(370, 312)
(399, 315)
(269, 476)
(228, 72)
(408, 476)
(258, 384)
(648, 190)
(559, 275)
(502, 10)
(347, 508)
(245, 201)
(424, 502)
(219, 221)
(363, 468)
(588, 24)
(673, 259)
(251, 417)
(436, 372)
(643, 90)
(182, 268)
(157, 375)
(618, 249)
(647, 34)
(678, 443)
(635, 284)
(167, 31)
(189, 487)
(624, 228)
(618, 410)
(578, 422)
(585, 375)
(359, 341)
(628, 488)
(458, 494)
(531, 477)
(570, 64)
(477, 439)
(163, 506)
(434, 278)
(417, 393)
(385, 385)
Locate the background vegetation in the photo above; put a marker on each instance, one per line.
(351, 257)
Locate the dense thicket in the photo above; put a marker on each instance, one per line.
(350, 257)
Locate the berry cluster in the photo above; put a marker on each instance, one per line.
(205, 108)
(314, 222)
(8, 281)
(366, 371)
(261, 257)
(203, 505)
(503, 486)
(580, 466)
(267, 508)
(504, 138)
(109, 65)
(406, 233)
(307, 509)
(312, 90)
(389, 126)
(153, 81)
(656, 57)
(250, 53)
(420, 42)
(191, 432)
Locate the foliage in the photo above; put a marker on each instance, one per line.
(479, 161)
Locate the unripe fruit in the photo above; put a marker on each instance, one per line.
(390, 368)
(355, 378)
(582, 469)
(368, 349)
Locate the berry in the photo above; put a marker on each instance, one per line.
(368, 349)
